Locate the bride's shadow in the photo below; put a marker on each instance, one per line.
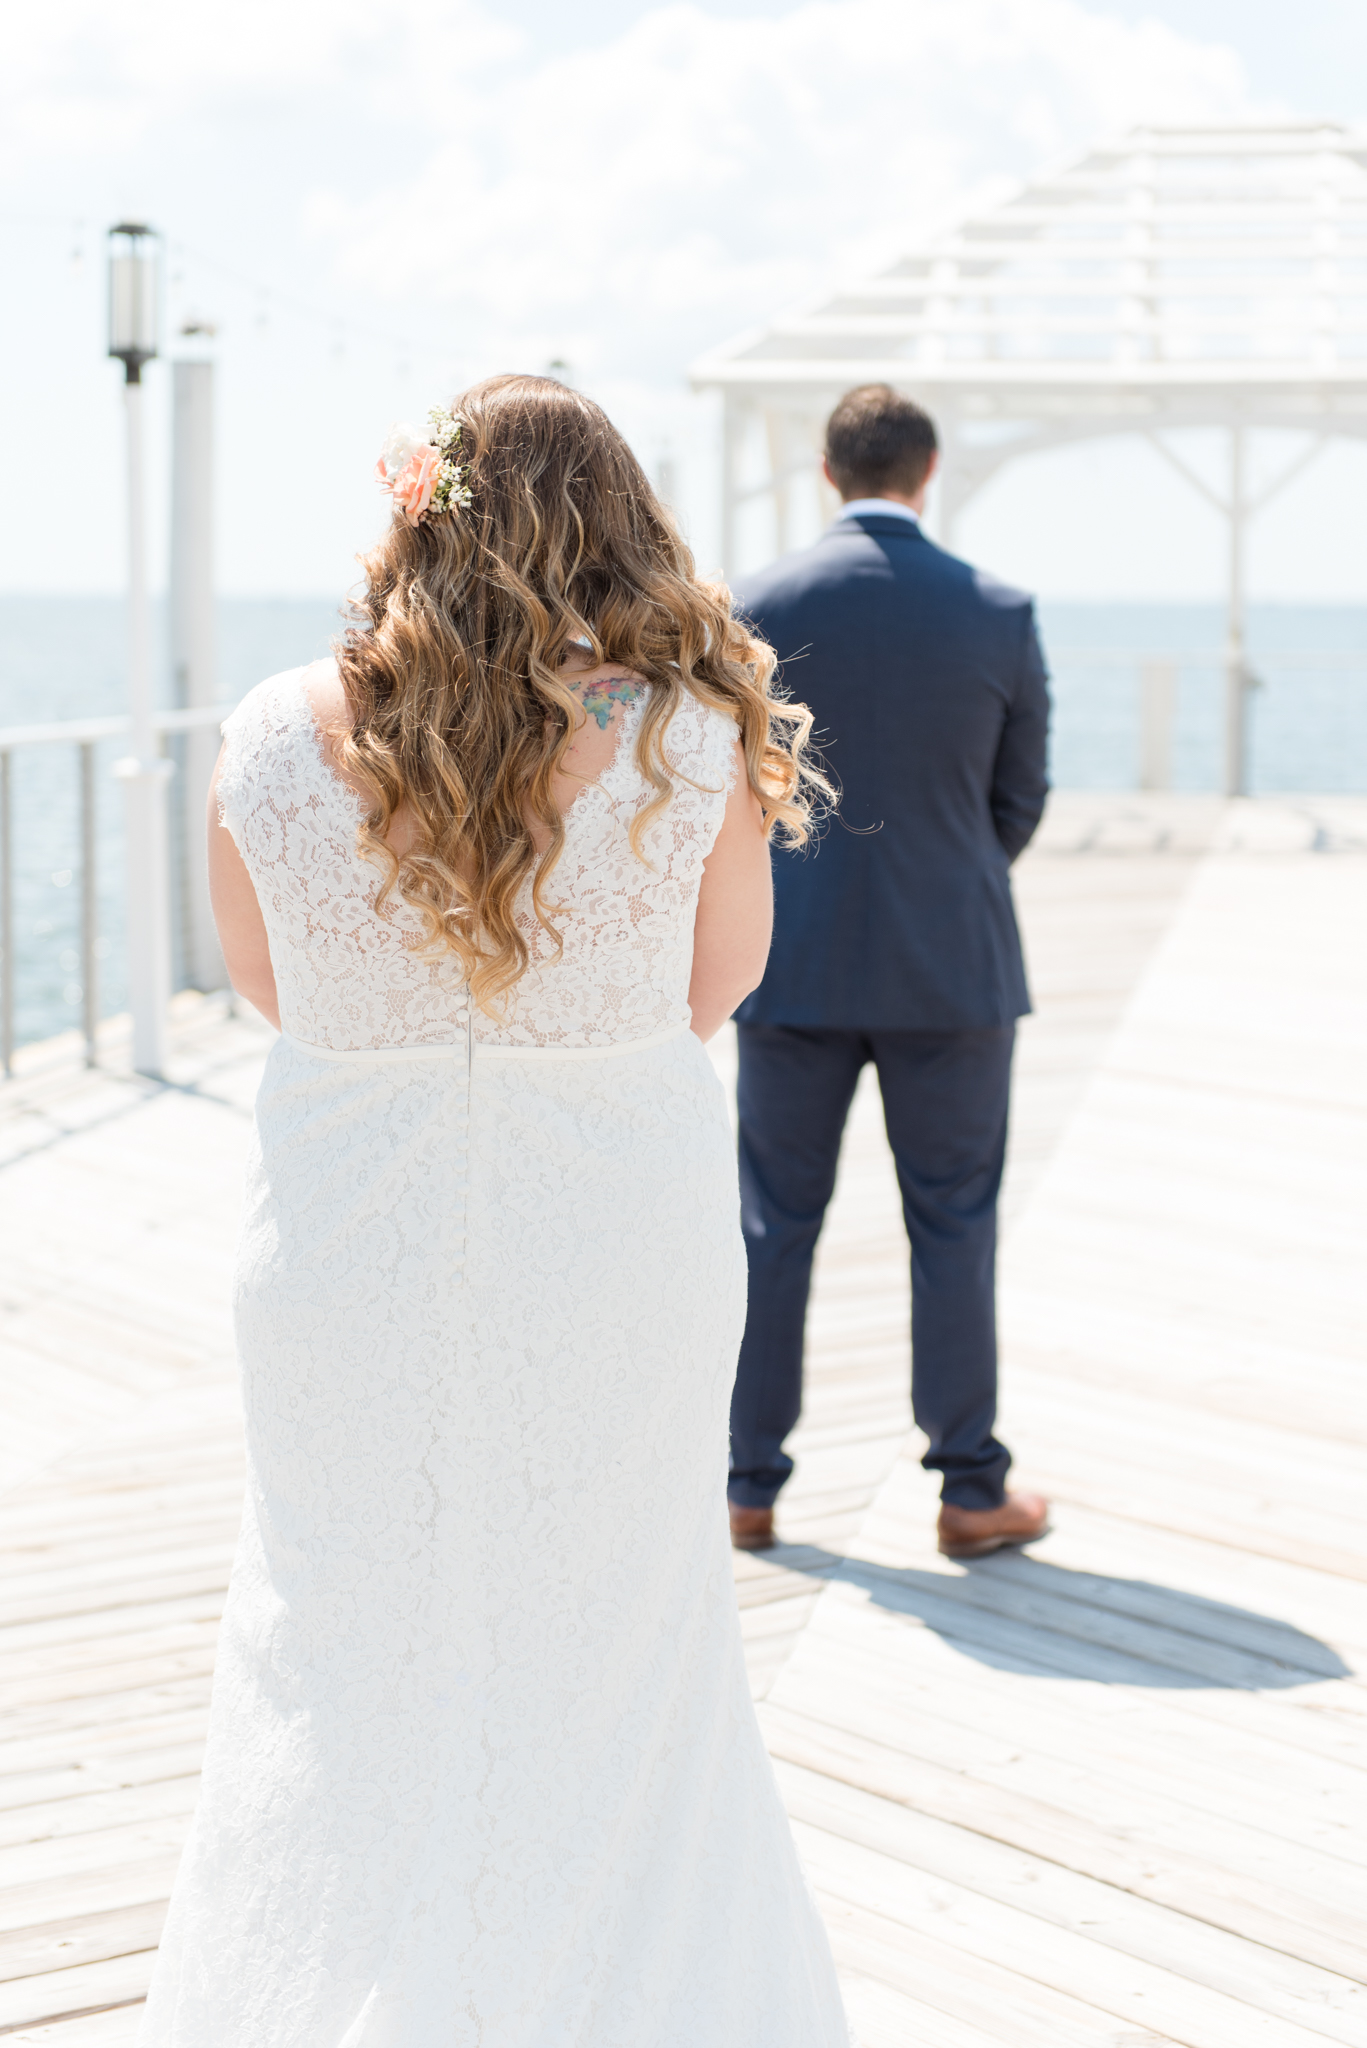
(1018, 1613)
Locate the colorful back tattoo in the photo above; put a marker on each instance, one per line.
(600, 696)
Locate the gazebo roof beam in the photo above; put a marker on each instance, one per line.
(1252, 373)
(1273, 138)
(1215, 210)
(1155, 246)
(1248, 285)
(1113, 294)
(889, 326)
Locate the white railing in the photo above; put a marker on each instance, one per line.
(1157, 710)
(1157, 707)
(85, 735)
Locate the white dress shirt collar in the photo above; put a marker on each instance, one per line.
(866, 508)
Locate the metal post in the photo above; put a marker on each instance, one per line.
(957, 479)
(90, 904)
(1236, 666)
(776, 438)
(939, 516)
(827, 496)
(667, 482)
(1157, 705)
(144, 776)
(193, 653)
(730, 466)
(6, 919)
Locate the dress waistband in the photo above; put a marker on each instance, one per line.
(381, 1055)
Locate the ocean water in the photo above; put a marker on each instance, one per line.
(63, 658)
(1307, 719)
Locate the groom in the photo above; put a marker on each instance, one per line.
(895, 941)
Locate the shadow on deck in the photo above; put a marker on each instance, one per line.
(1006, 1610)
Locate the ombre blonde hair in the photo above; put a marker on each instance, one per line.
(460, 712)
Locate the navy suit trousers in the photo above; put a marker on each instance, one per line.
(945, 1100)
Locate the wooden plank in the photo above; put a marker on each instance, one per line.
(779, 1618)
(1306, 1796)
(33, 1863)
(60, 1662)
(1144, 1624)
(101, 1750)
(77, 1780)
(91, 1938)
(133, 1675)
(152, 1505)
(115, 2027)
(55, 1820)
(884, 2017)
(75, 1993)
(1081, 1965)
(989, 1629)
(71, 1894)
(164, 1534)
(1109, 1772)
(1088, 1546)
(104, 1585)
(1262, 1496)
(77, 1634)
(90, 1714)
(988, 2002)
(1092, 1341)
(1228, 1877)
(1309, 1715)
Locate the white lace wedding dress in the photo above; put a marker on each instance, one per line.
(483, 1770)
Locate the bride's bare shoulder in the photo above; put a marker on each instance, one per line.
(327, 700)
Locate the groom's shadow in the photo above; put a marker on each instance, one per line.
(1018, 1613)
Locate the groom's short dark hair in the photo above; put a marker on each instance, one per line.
(877, 440)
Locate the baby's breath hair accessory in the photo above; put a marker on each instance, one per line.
(423, 475)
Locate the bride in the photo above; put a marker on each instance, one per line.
(483, 1770)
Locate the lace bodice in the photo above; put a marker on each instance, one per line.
(350, 978)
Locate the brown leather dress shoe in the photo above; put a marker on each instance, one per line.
(751, 1528)
(973, 1532)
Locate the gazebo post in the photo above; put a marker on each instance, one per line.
(956, 484)
(827, 496)
(1236, 668)
(776, 440)
(731, 432)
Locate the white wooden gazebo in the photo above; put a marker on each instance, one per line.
(1183, 277)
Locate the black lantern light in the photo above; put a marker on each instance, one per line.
(134, 296)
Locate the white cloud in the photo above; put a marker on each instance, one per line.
(700, 171)
(420, 166)
(144, 58)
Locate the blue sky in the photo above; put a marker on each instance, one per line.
(1314, 54)
(379, 199)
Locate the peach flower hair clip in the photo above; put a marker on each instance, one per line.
(423, 475)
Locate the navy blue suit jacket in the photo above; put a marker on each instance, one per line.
(931, 702)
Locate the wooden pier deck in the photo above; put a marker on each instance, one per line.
(1110, 1794)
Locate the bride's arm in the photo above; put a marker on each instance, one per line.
(241, 927)
(735, 913)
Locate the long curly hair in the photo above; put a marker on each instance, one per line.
(460, 714)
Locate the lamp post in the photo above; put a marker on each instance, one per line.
(192, 640)
(133, 320)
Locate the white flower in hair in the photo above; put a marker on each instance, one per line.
(402, 443)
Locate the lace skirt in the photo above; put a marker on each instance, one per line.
(483, 1770)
